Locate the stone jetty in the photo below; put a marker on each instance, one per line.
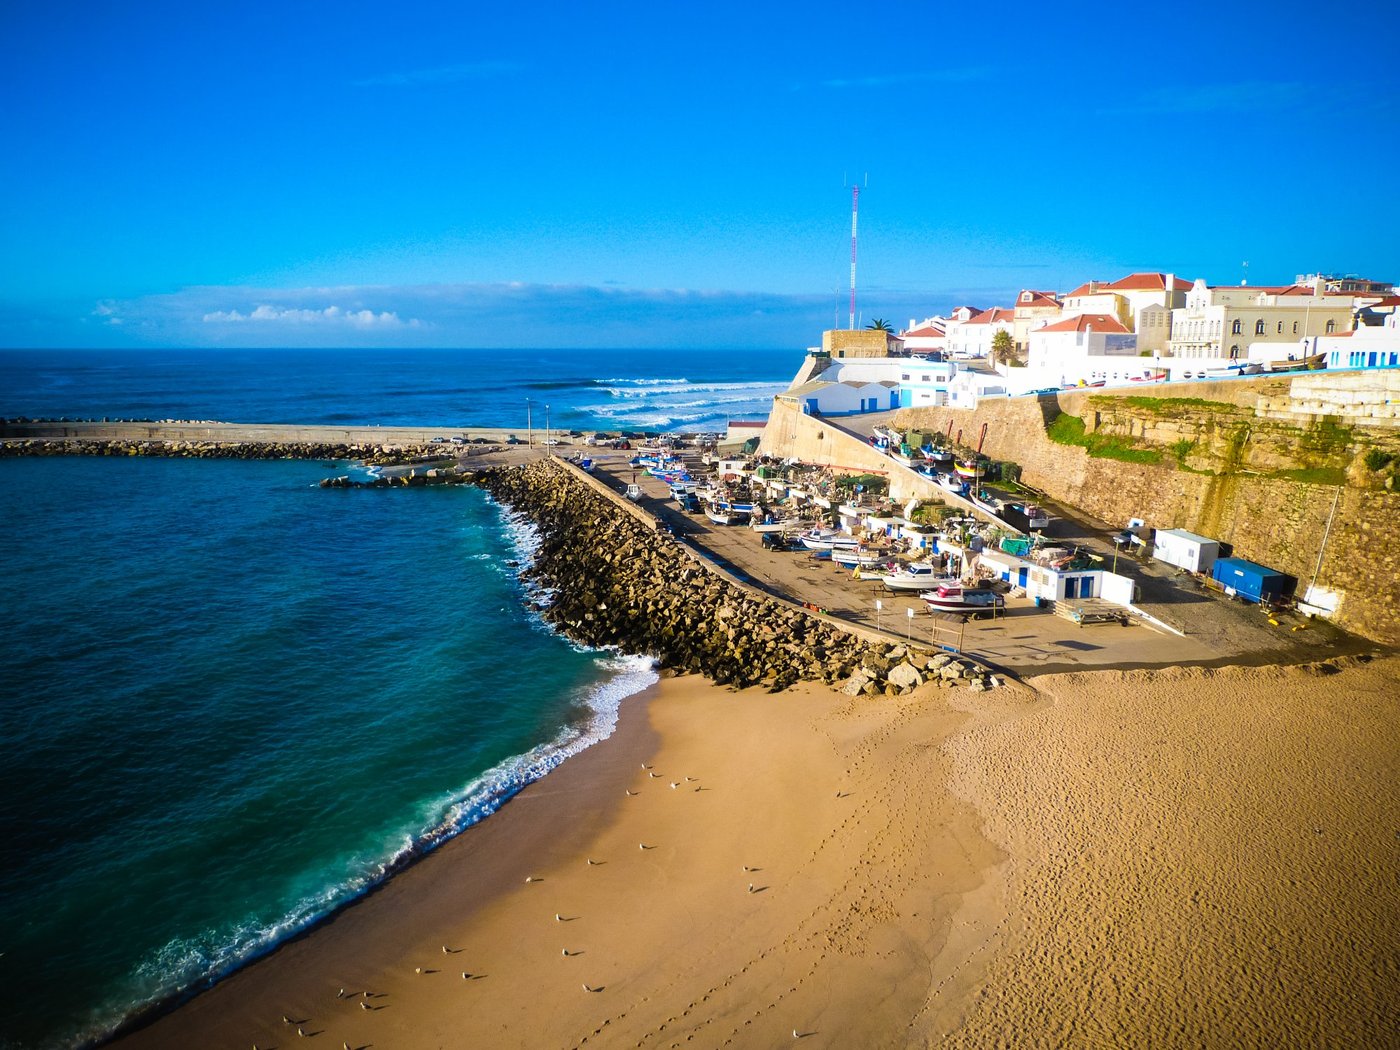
(374, 455)
(613, 580)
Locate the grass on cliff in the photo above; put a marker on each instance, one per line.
(1165, 405)
(1069, 430)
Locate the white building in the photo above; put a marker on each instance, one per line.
(929, 336)
(973, 337)
(820, 397)
(1064, 346)
(966, 388)
(1369, 346)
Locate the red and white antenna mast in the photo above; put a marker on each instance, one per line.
(855, 211)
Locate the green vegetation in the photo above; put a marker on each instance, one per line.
(879, 325)
(1069, 430)
(1181, 449)
(1313, 475)
(1378, 460)
(933, 513)
(1164, 405)
(868, 482)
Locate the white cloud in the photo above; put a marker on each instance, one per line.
(330, 315)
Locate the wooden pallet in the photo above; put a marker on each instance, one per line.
(1090, 610)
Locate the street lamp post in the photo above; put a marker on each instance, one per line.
(909, 628)
(878, 606)
(529, 427)
(548, 449)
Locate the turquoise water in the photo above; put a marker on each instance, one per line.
(230, 701)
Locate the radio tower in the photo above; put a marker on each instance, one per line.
(855, 210)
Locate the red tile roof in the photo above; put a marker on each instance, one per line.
(1147, 282)
(996, 313)
(1085, 322)
(1088, 288)
(933, 330)
(1037, 299)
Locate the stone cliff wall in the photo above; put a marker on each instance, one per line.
(1248, 463)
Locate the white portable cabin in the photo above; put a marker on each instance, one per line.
(1185, 550)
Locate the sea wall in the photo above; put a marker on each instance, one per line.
(616, 579)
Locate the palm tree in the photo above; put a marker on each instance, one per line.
(879, 325)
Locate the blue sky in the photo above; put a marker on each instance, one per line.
(463, 174)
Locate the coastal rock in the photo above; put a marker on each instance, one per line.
(905, 676)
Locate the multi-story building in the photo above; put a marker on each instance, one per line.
(1142, 302)
(973, 337)
(1223, 322)
(1033, 309)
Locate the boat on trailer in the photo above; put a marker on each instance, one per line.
(916, 576)
(952, 597)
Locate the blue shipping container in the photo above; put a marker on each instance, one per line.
(1250, 581)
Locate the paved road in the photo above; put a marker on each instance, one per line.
(1025, 640)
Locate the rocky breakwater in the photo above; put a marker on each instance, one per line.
(615, 581)
(373, 455)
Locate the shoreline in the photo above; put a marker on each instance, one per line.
(800, 783)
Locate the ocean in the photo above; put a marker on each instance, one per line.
(579, 389)
(232, 701)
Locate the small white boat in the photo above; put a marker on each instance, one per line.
(634, 492)
(917, 576)
(858, 558)
(725, 517)
(828, 541)
(952, 484)
(774, 526)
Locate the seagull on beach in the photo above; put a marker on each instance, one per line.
(674, 785)
(340, 994)
(301, 1031)
(364, 1005)
(558, 917)
(588, 989)
(690, 780)
(286, 1019)
(751, 887)
(654, 776)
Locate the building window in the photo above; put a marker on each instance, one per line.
(1280, 328)
(1235, 327)
(1259, 327)
(1331, 327)
(1295, 327)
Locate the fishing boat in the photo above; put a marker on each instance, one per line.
(916, 576)
(774, 526)
(725, 517)
(953, 484)
(634, 492)
(738, 508)
(823, 540)
(857, 558)
(952, 597)
(967, 470)
(586, 465)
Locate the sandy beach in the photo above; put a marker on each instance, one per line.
(1188, 857)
